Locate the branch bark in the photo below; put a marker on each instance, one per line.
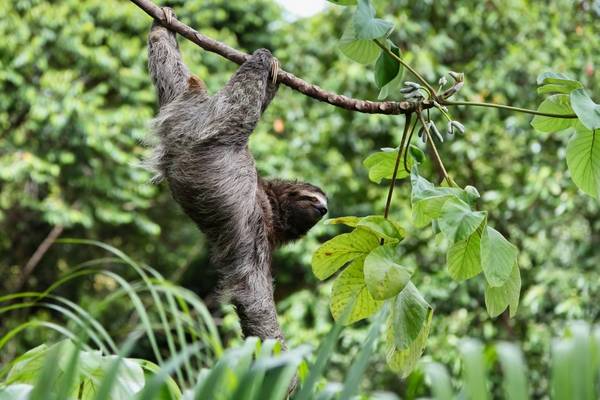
(288, 79)
(38, 254)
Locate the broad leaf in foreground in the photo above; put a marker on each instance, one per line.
(401, 328)
(363, 51)
(387, 67)
(335, 253)
(366, 25)
(498, 298)
(385, 277)
(464, 257)
(553, 82)
(349, 287)
(583, 160)
(557, 104)
(587, 111)
(458, 221)
(381, 165)
(498, 256)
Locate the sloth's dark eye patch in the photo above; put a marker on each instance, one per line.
(308, 198)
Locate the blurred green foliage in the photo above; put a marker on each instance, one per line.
(77, 101)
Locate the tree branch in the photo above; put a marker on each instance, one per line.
(37, 255)
(288, 79)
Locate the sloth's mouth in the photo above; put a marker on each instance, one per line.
(322, 210)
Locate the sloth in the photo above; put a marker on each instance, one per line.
(201, 150)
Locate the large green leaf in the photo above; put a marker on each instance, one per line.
(498, 256)
(387, 67)
(404, 360)
(426, 210)
(385, 277)
(409, 314)
(474, 370)
(333, 254)
(360, 50)
(552, 82)
(583, 160)
(427, 200)
(457, 221)
(366, 25)
(382, 227)
(557, 104)
(464, 257)
(507, 295)
(91, 367)
(348, 221)
(381, 165)
(350, 287)
(585, 108)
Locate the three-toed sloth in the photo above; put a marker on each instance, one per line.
(202, 152)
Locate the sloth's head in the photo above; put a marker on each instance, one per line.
(299, 206)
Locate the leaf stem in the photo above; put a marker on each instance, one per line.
(437, 157)
(388, 202)
(504, 107)
(412, 131)
(444, 102)
(422, 80)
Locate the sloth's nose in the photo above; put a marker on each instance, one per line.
(321, 209)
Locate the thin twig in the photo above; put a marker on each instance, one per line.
(505, 107)
(38, 254)
(412, 131)
(388, 201)
(445, 102)
(288, 79)
(437, 157)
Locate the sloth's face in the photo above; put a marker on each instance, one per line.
(306, 205)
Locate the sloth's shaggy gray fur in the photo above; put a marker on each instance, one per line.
(202, 153)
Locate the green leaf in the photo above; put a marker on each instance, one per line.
(348, 221)
(343, 2)
(427, 200)
(474, 370)
(335, 253)
(514, 370)
(392, 86)
(359, 50)
(409, 314)
(498, 298)
(498, 256)
(557, 104)
(382, 227)
(18, 391)
(583, 160)
(404, 361)
(416, 153)
(377, 224)
(366, 25)
(381, 165)
(552, 82)
(439, 380)
(386, 67)
(385, 277)
(457, 221)
(426, 210)
(587, 111)
(350, 287)
(464, 257)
